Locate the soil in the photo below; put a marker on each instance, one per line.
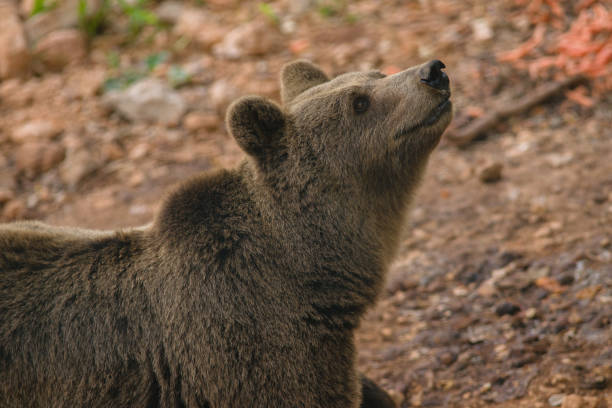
(501, 294)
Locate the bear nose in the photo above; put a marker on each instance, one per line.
(431, 74)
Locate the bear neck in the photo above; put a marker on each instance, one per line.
(348, 232)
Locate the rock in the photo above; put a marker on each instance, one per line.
(299, 7)
(594, 382)
(87, 83)
(556, 400)
(600, 198)
(221, 4)
(136, 179)
(531, 313)
(34, 158)
(211, 35)
(52, 156)
(548, 229)
(196, 121)
(78, 165)
(65, 15)
(170, 11)
(576, 401)
(221, 94)
(482, 29)
(507, 308)
(16, 94)
(26, 7)
(200, 27)
(490, 173)
(36, 130)
(396, 396)
(149, 100)
(61, 47)
(401, 278)
(13, 210)
(28, 157)
(6, 196)
(14, 53)
(139, 151)
(557, 160)
(386, 333)
(447, 358)
(250, 39)
(487, 288)
(567, 279)
(112, 151)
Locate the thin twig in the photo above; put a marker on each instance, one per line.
(465, 135)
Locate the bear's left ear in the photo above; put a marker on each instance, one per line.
(257, 124)
(298, 76)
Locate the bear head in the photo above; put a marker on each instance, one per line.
(365, 130)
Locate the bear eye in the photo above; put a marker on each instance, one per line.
(361, 104)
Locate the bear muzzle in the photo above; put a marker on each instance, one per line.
(431, 74)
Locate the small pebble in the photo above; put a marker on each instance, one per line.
(491, 173)
(13, 210)
(447, 358)
(566, 280)
(507, 308)
(597, 382)
(577, 401)
(386, 333)
(556, 400)
(531, 313)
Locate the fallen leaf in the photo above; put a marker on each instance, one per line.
(299, 46)
(579, 96)
(588, 293)
(525, 48)
(474, 111)
(550, 285)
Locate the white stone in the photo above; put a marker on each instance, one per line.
(38, 129)
(60, 48)
(14, 54)
(149, 100)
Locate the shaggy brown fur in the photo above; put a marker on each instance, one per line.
(247, 288)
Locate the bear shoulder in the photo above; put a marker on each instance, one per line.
(206, 206)
(38, 243)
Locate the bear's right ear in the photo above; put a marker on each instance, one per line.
(299, 76)
(257, 124)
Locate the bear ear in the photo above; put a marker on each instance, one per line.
(299, 76)
(257, 124)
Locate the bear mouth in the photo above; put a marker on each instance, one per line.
(434, 115)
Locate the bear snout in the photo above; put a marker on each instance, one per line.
(431, 74)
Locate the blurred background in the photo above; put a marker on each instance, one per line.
(502, 291)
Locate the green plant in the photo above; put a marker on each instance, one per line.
(177, 76)
(331, 8)
(351, 18)
(152, 61)
(113, 59)
(122, 80)
(139, 16)
(267, 10)
(40, 6)
(92, 21)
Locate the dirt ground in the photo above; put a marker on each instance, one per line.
(501, 294)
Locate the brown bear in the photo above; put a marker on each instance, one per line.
(247, 288)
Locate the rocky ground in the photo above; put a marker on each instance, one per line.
(502, 291)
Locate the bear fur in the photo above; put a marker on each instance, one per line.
(247, 288)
